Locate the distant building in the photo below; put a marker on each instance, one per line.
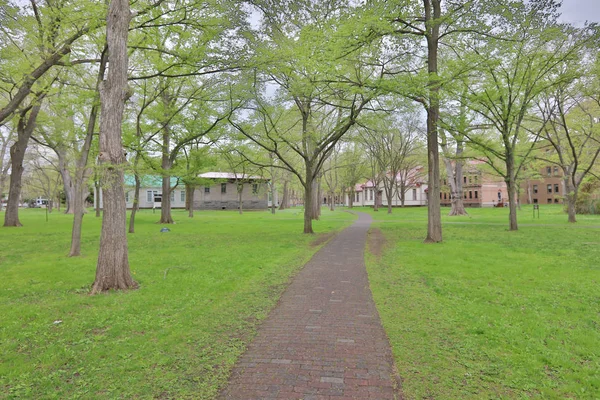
(548, 188)
(415, 192)
(479, 188)
(221, 194)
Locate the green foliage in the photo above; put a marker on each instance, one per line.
(204, 287)
(491, 313)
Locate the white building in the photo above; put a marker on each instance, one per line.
(415, 193)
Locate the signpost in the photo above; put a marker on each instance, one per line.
(536, 207)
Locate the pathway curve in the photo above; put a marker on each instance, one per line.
(324, 340)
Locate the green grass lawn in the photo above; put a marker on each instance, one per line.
(491, 313)
(175, 337)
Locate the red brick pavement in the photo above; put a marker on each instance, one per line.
(324, 340)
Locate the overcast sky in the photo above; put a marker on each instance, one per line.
(579, 11)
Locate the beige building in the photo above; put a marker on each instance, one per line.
(221, 194)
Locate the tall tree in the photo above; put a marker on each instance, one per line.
(25, 126)
(573, 134)
(82, 170)
(515, 69)
(112, 270)
(320, 91)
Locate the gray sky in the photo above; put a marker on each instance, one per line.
(578, 11)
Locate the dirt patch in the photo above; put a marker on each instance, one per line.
(322, 238)
(375, 242)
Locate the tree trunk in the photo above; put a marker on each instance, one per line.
(191, 190)
(571, 198)
(3, 169)
(286, 195)
(25, 128)
(187, 196)
(434, 219)
(240, 190)
(455, 177)
(17, 154)
(2, 183)
(332, 204)
(78, 185)
(136, 202)
(318, 195)
(112, 270)
(308, 204)
(66, 178)
(510, 184)
(375, 203)
(273, 202)
(165, 205)
(97, 201)
(77, 223)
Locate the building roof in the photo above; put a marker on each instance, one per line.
(228, 175)
(149, 181)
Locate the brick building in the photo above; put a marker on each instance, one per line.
(480, 189)
(548, 188)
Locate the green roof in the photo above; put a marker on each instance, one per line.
(150, 181)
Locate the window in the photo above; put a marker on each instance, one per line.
(441, 194)
(414, 194)
(556, 189)
(445, 183)
(470, 179)
(126, 197)
(150, 195)
(549, 187)
(535, 189)
(183, 196)
(556, 200)
(549, 201)
(476, 195)
(465, 195)
(370, 194)
(255, 188)
(223, 188)
(535, 201)
(172, 196)
(470, 194)
(206, 189)
(555, 171)
(549, 171)
(476, 178)
(464, 179)
(357, 196)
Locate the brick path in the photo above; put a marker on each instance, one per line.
(324, 340)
